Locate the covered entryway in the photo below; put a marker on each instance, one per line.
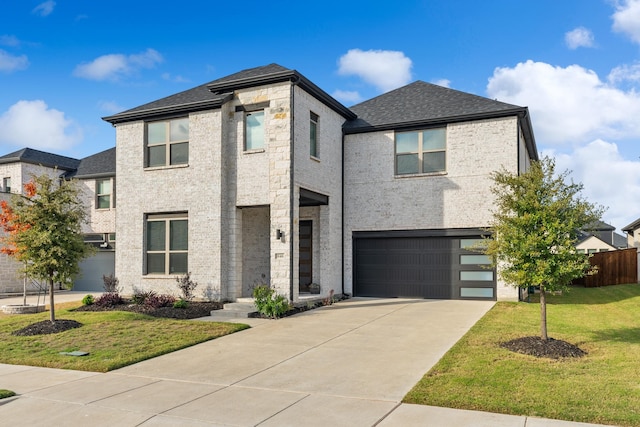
(92, 269)
(436, 264)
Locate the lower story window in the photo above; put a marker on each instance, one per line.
(167, 244)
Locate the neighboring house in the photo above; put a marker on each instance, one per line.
(633, 234)
(17, 168)
(96, 175)
(600, 237)
(262, 177)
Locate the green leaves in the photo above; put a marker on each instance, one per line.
(536, 224)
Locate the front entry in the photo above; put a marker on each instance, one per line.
(306, 255)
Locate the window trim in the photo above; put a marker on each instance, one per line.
(168, 143)
(420, 152)
(314, 133)
(6, 188)
(111, 193)
(166, 218)
(248, 113)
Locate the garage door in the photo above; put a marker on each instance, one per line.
(92, 269)
(421, 264)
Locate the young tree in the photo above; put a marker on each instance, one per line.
(535, 228)
(43, 231)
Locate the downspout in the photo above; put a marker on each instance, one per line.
(294, 82)
(342, 216)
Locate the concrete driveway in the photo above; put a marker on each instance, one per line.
(348, 364)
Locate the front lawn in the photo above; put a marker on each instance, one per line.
(601, 387)
(113, 338)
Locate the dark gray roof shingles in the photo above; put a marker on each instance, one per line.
(37, 157)
(422, 102)
(99, 164)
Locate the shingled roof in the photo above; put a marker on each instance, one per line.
(214, 94)
(37, 157)
(102, 164)
(420, 104)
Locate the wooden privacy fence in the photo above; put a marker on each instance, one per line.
(614, 268)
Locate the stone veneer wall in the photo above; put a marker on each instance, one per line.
(322, 174)
(460, 198)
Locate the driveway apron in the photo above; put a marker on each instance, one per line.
(346, 364)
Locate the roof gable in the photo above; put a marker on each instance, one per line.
(214, 94)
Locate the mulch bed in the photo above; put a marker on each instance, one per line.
(47, 327)
(537, 347)
(194, 310)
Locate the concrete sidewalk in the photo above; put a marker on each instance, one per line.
(348, 364)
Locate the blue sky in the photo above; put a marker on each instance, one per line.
(574, 63)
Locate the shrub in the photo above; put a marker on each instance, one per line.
(157, 301)
(88, 300)
(109, 299)
(181, 304)
(187, 286)
(111, 284)
(140, 297)
(269, 303)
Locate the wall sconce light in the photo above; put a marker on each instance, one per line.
(279, 234)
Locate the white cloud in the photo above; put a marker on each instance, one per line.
(568, 104)
(624, 73)
(579, 37)
(7, 40)
(9, 63)
(384, 69)
(116, 66)
(347, 96)
(608, 179)
(33, 124)
(44, 9)
(626, 19)
(442, 82)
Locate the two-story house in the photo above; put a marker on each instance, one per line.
(262, 177)
(96, 181)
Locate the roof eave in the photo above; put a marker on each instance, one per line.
(168, 111)
(35, 162)
(282, 76)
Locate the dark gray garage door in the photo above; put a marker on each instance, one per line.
(421, 264)
(92, 269)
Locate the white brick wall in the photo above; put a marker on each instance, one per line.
(98, 220)
(461, 198)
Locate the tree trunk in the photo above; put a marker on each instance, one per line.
(52, 313)
(543, 314)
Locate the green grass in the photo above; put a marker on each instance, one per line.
(6, 393)
(113, 338)
(603, 387)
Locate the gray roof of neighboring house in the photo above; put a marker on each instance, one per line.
(37, 157)
(420, 103)
(599, 226)
(102, 164)
(619, 241)
(215, 93)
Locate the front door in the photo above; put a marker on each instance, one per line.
(306, 255)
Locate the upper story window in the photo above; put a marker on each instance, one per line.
(421, 151)
(167, 143)
(313, 134)
(104, 194)
(6, 185)
(254, 130)
(167, 244)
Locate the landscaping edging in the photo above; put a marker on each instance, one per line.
(22, 309)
